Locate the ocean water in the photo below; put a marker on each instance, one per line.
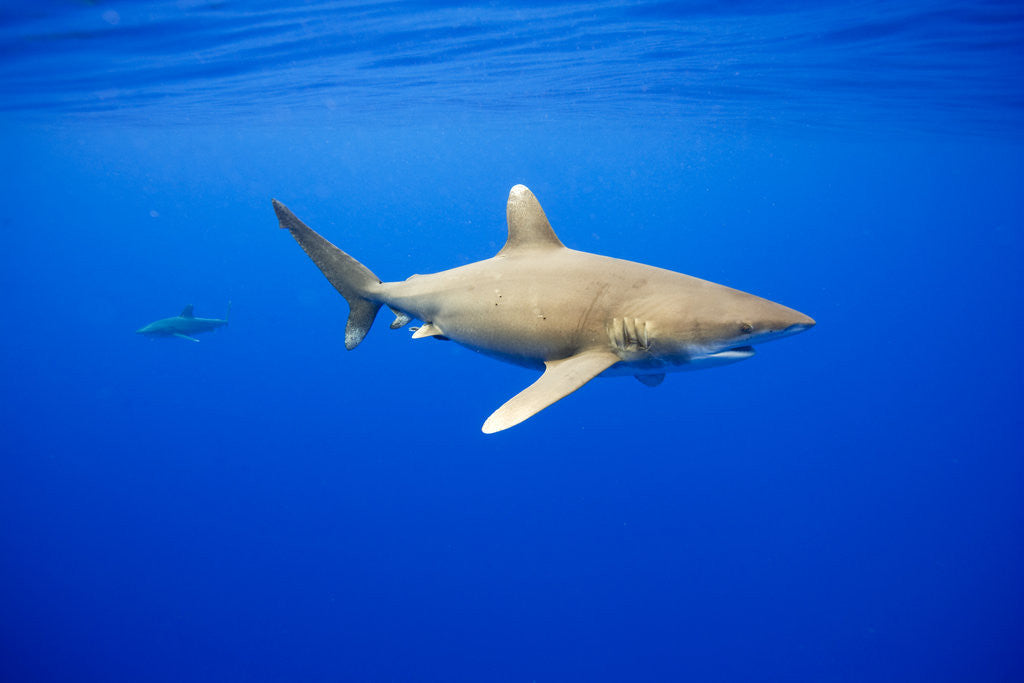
(266, 506)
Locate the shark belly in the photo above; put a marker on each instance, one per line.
(530, 312)
(508, 309)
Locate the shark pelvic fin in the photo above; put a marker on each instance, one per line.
(352, 279)
(187, 312)
(428, 330)
(560, 378)
(528, 227)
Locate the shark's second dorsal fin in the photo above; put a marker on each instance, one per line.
(187, 313)
(528, 227)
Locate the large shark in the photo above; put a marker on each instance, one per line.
(572, 314)
(183, 326)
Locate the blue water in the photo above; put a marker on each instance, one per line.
(265, 506)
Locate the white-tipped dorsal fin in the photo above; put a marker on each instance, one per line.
(528, 227)
(187, 313)
(560, 378)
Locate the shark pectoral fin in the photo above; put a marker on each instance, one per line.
(651, 380)
(560, 378)
(185, 336)
(428, 330)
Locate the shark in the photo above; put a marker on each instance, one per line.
(184, 325)
(570, 314)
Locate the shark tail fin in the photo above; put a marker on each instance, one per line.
(352, 279)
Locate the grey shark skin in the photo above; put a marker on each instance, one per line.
(572, 314)
(183, 326)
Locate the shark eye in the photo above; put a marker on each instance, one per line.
(746, 328)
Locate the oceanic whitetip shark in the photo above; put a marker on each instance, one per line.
(183, 326)
(572, 314)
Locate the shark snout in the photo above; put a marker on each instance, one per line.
(804, 324)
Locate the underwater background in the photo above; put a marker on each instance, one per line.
(265, 506)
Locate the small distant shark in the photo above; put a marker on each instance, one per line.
(184, 325)
(572, 314)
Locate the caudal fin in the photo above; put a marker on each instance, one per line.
(352, 279)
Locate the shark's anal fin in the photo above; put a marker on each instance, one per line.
(401, 319)
(560, 378)
(185, 336)
(651, 380)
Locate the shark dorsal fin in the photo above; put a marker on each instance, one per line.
(528, 227)
(187, 313)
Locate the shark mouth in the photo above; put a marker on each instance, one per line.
(737, 353)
